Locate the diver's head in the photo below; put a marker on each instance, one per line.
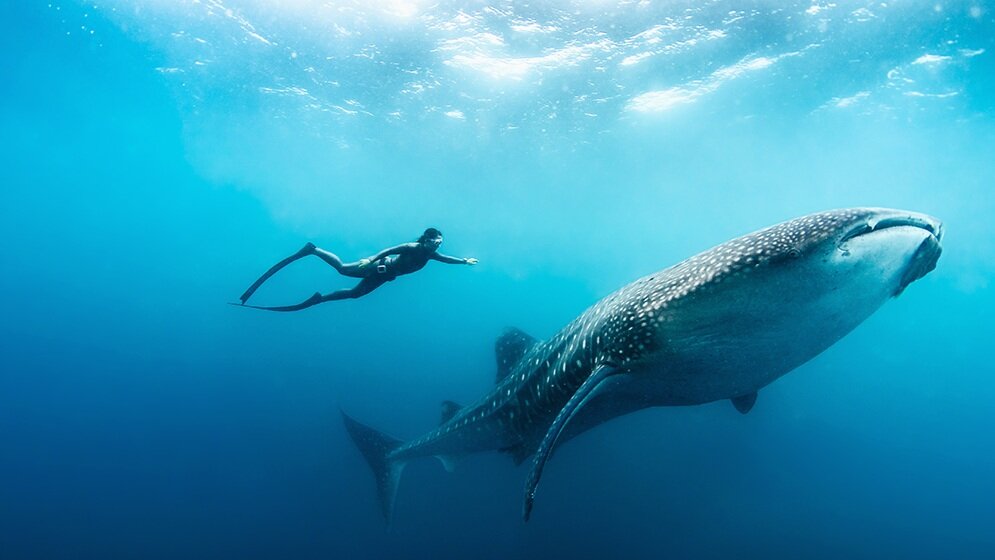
(431, 239)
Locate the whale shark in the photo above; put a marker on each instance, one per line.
(720, 325)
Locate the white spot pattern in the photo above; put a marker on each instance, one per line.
(616, 331)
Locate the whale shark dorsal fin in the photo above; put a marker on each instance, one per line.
(744, 403)
(576, 401)
(509, 349)
(449, 409)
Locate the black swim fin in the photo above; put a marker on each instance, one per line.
(309, 302)
(308, 249)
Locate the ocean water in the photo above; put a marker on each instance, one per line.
(157, 156)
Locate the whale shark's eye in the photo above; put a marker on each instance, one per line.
(794, 253)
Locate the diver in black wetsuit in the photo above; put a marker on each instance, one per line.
(374, 271)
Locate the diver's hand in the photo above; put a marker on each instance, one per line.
(363, 263)
(470, 260)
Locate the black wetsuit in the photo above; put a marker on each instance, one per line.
(391, 263)
(384, 267)
(405, 259)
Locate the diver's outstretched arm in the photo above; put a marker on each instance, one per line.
(453, 260)
(308, 249)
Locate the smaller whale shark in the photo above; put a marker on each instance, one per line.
(718, 326)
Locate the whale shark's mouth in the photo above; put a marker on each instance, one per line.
(877, 224)
(923, 258)
(923, 262)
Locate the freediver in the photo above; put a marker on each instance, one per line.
(375, 271)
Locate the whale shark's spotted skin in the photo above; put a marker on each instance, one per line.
(616, 331)
(718, 325)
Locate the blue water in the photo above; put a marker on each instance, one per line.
(157, 156)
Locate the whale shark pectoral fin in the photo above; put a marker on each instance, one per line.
(744, 403)
(579, 397)
(448, 462)
(519, 453)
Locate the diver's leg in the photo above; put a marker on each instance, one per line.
(365, 286)
(308, 249)
(346, 269)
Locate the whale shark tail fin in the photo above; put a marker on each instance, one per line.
(376, 447)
